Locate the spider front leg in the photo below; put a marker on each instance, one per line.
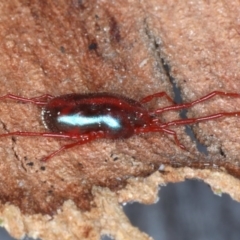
(157, 95)
(190, 104)
(200, 119)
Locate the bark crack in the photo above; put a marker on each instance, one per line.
(14, 143)
(166, 68)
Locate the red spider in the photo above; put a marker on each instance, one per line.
(86, 117)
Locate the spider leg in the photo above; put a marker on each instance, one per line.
(44, 97)
(157, 95)
(163, 127)
(85, 139)
(200, 119)
(38, 134)
(190, 104)
(160, 129)
(41, 100)
(174, 134)
(81, 139)
(64, 147)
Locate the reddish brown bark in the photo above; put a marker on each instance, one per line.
(120, 47)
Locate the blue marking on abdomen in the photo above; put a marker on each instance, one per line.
(83, 121)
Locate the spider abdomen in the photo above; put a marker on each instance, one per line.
(77, 114)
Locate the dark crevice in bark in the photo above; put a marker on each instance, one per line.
(14, 142)
(177, 91)
(183, 113)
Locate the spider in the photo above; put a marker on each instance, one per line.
(86, 117)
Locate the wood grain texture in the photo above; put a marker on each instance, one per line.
(119, 47)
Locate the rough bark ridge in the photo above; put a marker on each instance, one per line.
(120, 47)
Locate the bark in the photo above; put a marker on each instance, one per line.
(129, 48)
